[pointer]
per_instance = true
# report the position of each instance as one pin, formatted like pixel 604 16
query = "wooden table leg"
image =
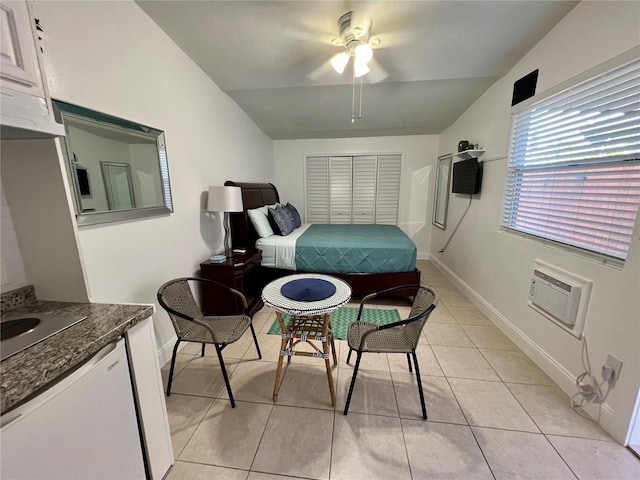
pixel 325 350
pixel 283 346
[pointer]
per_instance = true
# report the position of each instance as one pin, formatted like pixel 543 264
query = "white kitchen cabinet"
pixel 106 419
pixel 83 427
pixel 20 69
pixel 25 109
pixel 149 393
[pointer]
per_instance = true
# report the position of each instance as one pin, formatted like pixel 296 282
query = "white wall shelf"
pixel 469 154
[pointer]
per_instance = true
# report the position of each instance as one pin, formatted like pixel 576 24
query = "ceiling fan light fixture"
pixel 359 68
pixel 363 53
pixel 339 61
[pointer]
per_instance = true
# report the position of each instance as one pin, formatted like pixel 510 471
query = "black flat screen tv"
pixel 467 176
pixel 83 181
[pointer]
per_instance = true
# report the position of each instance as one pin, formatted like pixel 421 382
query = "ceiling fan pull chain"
pixel 353 97
pixel 360 112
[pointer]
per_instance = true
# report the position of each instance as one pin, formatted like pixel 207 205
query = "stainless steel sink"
pixel 20 331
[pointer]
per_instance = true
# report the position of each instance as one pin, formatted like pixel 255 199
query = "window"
pixel 574 164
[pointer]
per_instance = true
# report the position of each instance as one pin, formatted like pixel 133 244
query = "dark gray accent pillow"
pixel 293 213
pixel 282 219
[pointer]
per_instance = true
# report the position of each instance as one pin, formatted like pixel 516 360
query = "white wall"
pixel 110 57
pixel 495 267
pixel 12 272
pixel 37 191
pixel 416 188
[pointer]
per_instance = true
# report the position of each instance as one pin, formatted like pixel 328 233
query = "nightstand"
pixel 241 272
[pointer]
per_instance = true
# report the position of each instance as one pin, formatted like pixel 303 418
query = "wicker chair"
pixel 176 297
pixel 397 337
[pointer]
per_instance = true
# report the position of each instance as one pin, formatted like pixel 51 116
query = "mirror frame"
pixel 442 183
pixel 63 109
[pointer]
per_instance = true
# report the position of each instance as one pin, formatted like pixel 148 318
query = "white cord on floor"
pixel 592 390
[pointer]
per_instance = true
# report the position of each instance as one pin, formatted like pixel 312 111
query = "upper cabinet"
pixel 26 109
pixel 20 69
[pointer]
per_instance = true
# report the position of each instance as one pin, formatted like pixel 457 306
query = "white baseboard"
pixel 164 352
pixel 562 377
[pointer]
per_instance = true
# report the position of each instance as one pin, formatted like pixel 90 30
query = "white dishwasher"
pixel 84 427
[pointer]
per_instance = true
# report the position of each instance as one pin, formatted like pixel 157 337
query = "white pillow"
pixel 265 210
pixel 260 221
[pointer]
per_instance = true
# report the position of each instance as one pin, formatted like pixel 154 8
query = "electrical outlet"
pixel 615 364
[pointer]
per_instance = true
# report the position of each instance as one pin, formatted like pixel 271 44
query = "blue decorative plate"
pixel 308 289
pixel 218 259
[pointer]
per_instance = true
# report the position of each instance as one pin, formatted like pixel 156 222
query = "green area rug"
pixel 342 317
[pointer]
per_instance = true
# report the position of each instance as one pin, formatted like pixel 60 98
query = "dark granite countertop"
pixel 25 373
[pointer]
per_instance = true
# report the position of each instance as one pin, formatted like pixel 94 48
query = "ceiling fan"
pixel 354 36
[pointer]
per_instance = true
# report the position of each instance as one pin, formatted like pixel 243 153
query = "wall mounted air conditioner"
pixel 560 296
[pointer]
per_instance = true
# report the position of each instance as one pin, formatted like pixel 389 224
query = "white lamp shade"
pixel 360 69
pixel 363 53
pixel 224 199
pixel 339 62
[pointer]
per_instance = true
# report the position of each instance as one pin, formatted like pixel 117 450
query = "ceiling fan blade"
pixel 377 73
pixel 321 71
pixel 389 39
pixel 312 37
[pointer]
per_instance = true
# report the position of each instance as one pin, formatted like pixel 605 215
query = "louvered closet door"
pixel 317 190
pixel 340 189
pixel 388 191
pixel 364 189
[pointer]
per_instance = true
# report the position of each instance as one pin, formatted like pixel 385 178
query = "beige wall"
pixel 110 57
pixel 495 267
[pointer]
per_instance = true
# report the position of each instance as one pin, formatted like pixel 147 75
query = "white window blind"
pixel 353 189
pixel 364 188
pixel 317 190
pixel 340 189
pixel 388 197
pixel 574 164
pixel 164 174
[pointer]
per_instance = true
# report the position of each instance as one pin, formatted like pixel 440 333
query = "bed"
pixel 313 248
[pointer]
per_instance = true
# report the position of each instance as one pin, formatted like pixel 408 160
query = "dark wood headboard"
pixel 254 195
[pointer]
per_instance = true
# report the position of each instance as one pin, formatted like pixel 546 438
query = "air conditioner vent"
pixel 560 296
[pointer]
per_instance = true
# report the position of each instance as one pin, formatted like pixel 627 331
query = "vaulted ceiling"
pixel 271 58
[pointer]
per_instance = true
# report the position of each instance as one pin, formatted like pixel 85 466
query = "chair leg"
pixel 255 340
pixel 349 355
pixel 353 382
pixel 224 375
pixel 415 361
pixel 409 362
pixel 173 364
pixel 202 353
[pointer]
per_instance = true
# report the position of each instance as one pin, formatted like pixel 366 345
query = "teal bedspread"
pixel 355 249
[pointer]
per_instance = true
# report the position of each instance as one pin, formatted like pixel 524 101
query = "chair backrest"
pixel 423 304
pixel 176 297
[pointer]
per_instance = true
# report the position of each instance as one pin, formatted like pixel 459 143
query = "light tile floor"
pixel 492 412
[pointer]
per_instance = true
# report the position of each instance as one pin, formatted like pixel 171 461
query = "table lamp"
pixel 225 199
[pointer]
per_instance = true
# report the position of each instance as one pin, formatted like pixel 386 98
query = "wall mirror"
pixel 118 169
pixel 443 179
